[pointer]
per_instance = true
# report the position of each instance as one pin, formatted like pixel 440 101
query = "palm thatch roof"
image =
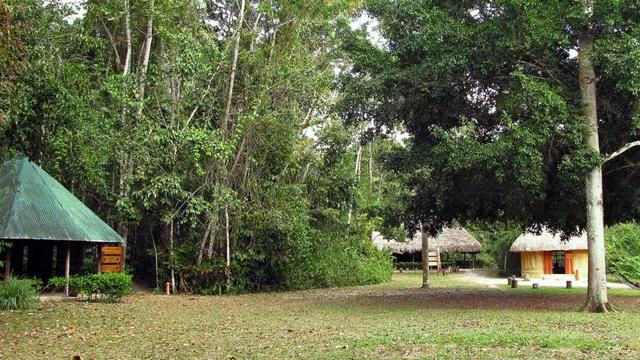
pixel 450 240
pixel 548 241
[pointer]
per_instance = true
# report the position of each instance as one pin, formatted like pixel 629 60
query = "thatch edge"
pixel 548 241
pixel 448 241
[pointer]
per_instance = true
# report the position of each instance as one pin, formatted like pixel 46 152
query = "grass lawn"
pixel 454 319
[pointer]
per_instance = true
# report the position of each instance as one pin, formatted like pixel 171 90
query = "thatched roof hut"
pixel 548 241
pixel 546 254
pixel 450 240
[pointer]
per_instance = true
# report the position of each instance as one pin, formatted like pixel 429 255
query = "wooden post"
pixel 67 265
pixel 7 264
pixel 99 258
pixel 577 273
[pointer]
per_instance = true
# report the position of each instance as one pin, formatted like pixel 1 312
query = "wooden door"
pixel 548 262
pixel 568 263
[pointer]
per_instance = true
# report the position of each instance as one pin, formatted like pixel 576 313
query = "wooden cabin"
pixel 451 243
pixel 47 229
pixel 547 254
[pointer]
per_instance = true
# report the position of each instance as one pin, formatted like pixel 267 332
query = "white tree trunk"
pixel 226 236
pixel 357 173
pixel 234 67
pixel 597 300
pixel 370 163
pixel 145 60
pixel 173 259
pixel 127 21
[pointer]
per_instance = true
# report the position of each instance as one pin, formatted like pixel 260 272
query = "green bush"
pixel 106 287
pixel 18 294
pixel 496 239
pixel 623 249
pixel 409 265
pixel 338 260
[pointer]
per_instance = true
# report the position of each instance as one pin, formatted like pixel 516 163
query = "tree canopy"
pixel 488 91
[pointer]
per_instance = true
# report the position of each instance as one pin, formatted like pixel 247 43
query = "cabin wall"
pixel 581 262
pixel 532 264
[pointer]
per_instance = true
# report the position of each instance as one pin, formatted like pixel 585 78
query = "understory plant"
pixel 103 287
pixel 623 249
pixel 18 294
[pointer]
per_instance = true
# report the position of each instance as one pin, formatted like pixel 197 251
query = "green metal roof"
pixel 34 206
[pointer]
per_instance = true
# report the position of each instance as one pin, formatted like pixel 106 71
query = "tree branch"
pixel 114 46
pixel 622 150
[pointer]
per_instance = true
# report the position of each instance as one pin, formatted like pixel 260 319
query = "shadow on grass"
pixel 468 299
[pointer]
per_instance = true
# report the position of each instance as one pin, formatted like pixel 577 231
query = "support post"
pixel 99 257
pixel 7 264
pixel 67 265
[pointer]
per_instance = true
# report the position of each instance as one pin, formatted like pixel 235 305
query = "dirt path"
pixel 490 279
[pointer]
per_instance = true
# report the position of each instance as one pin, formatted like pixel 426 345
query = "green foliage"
pixel 623 249
pixel 18 294
pixel 164 151
pixel 415 265
pixel 488 92
pixel 496 239
pixel 103 287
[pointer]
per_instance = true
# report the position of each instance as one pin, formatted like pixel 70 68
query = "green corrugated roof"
pixel 33 205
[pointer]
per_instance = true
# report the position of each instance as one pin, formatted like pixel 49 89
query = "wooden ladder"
pixel 434 260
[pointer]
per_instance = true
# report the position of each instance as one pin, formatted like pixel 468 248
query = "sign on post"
pixel 111 259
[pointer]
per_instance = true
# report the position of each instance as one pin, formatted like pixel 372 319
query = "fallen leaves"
pixel 388 321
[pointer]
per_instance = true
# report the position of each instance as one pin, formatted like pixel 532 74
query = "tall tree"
pixel 502 114
pixel 597 293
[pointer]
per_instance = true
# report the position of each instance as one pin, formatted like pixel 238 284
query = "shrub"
pixel 18 294
pixel 107 287
pixel 623 249
pixel 409 265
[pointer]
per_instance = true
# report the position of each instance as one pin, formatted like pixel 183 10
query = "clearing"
pixel 454 319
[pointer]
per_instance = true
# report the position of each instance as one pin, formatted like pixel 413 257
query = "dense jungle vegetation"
pixel 253 145
pixel 203 131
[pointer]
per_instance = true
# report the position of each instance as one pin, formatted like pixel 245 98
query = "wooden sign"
pixel 111 259
pixel 434 259
pixel 112 250
pixel 111 268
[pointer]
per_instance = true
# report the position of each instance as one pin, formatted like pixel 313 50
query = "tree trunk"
pixel 214 216
pixel 172 258
pixel 370 164
pixel 228 254
pixel 123 227
pixel 145 60
pixel 357 174
pixel 425 258
pixel 203 243
pixel 597 285
pixel 234 67
pixel 127 22
pixel 155 254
